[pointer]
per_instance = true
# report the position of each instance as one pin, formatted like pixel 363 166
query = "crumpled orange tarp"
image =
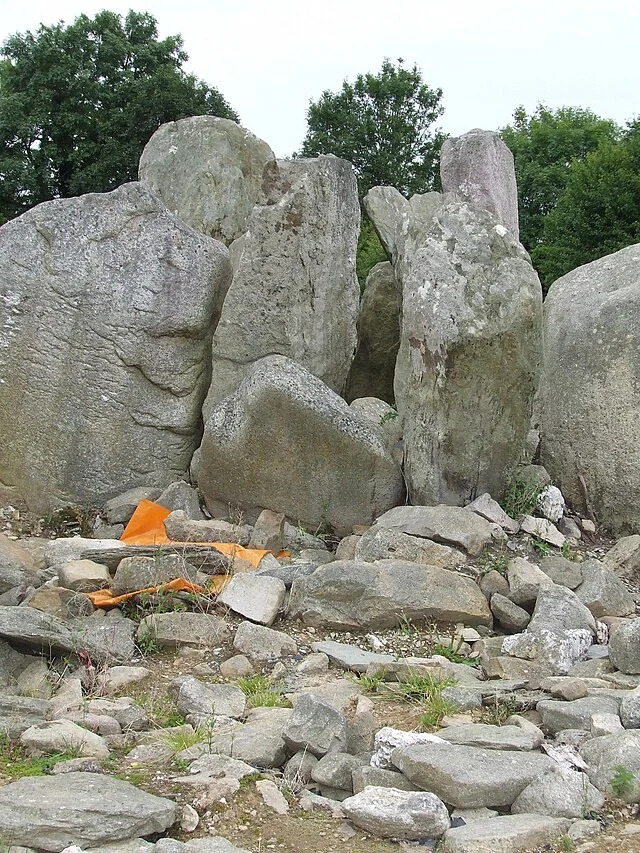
pixel 105 598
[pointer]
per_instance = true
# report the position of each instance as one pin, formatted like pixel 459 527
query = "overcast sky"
pixel 270 57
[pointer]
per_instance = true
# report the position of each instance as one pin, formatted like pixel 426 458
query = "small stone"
pixel 237 666
pixel 189 819
pixel 272 797
pixel 543 529
pixel 587 525
pixel 258 598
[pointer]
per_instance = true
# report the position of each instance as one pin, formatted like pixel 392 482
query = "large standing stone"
pixel 479 167
pixel 88 809
pixel 603 592
pixel 208 171
pixel 470 344
pixel 624 647
pixel 374 364
pixel 107 306
pixel 350 594
pixel 284 441
pixel 590 388
pixel 294 289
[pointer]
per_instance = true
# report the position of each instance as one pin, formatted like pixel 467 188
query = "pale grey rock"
pixel 100 724
pixel 511 617
pixel 559 609
pixel 135 573
pixel 174 629
pixel 373 366
pixel 525 581
pixel 550 503
pixel 181 496
pixel 272 797
pixel 351 657
pixel 553 652
pixel 55 736
pixel 258 598
pixel 589 394
pixel 479 167
pixel 387 739
pixel 113 275
pixel 48 812
pixel 581 830
pixel 569 528
pixel 491 737
pixel 559 792
pixel 208 171
pixel 624 557
pixel 262 644
pixel 316 726
pixel 203 771
pixel 485 506
pixel 391 813
pixel 624 647
pixel 606 724
pixel 257 742
pixel 382 543
pixel 505 834
pixel 34 681
pixel 493 582
pixel 469 777
pixel 268 531
pixel 197 700
pixel 346 549
pixel 365 776
pixel 62 550
pixel 119 509
pixel 297 539
pixel 297 771
pixel 56 601
pixel 630 710
pixel 445 524
pixel 237 666
pixel 604 755
pixel 567 688
pixel 603 592
pixel 294 289
pixel 83 575
pixel 346 595
pixel 557 715
pixel 17 566
pixel 18 713
pixel 335 770
pixel 288 572
pixel 562 571
pixel 107 641
pixel 181 528
pixel 471 317
pixel 282 429
pixel 543 529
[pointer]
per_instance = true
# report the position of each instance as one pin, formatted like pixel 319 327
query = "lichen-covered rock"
pixel 107 305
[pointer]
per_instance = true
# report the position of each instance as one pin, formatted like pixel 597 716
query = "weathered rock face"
pixel 374 364
pixel 470 344
pixel 479 167
pixel 294 289
pixel 590 388
pixel 286 442
pixel 107 306
pixel 208 171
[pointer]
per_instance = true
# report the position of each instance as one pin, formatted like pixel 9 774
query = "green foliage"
pixel 427 691
pixel 568 552
pixel 497 561
pixel 622 782
pixel 540 546
pixel 147 643
pixel 261 693
pixel 370 251
pixel 69 521
pixel 15 763
pixel 498 712
pixel 370 683
pixel 521 496
pixel 79 103
pixel 389 415
pixel 383 124
pixel 566 843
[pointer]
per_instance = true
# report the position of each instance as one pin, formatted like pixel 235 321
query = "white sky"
pixel 270 57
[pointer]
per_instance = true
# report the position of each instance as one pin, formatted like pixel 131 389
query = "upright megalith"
pixel 294 289
pixel 590 389
pixel 285 441
pixel 479 167
pixel 470 342
pixel 208 171
pixel 107 306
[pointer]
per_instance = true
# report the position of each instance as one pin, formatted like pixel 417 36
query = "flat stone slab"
pixel 505 834
pixel 450 525
pixel 256 597
pixel 492 737
pixel 352 658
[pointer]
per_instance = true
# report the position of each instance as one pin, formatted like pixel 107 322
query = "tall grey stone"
pixel 208 171
pixel 590 388
pixel 107 306
pixel 284 441
pixel 470 343
pixel 479 167
pixel 294 289
pixel 374 364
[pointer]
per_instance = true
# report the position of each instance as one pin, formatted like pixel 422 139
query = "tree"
pixel 383 124
pixel 79 103
pixel 544 145
pixel 599 211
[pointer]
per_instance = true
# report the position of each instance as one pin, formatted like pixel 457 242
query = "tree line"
pixel 78 103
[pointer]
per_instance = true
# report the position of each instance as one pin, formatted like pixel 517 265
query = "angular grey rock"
pixel 388 739
pixel 559 609
pixel 351 657
pixel 208 171
pixel 385 543
pixel 367 775
pixel 198 700
pixel 17 566
pixel 113 275
pixel 181 528
pixel 262 644
pixel 49 812
pixel 468 777
pixel 384 418
pixel 391 813
pixel 134 573
pixel 446 524
pixel 299 767
pixel 584 384
pixel 624 647
pixel 288 572
pixel 603 592
pixel 258 598
pixel 557 715
pixel 316 726
pixel 118 510
pixel 630 710
pixel 562 571
pixel 257 742
pixel 48 738
pixel 492 737
pixel 505 834
pixel 84 575
pixel 624 557
pixel 348 595
pixel 18 713
pixel 294 289
pixel 485 506
pixel 73 547
pixel 374 363
pixel 284 429
pixel 181 496
pixel 553 652
pixel 604 757
pixel 268 532
pixel 107 641
pixel 471 317
pixel 543 529
pixel 335 770
pixel 525 581
pixel 511 617
pixel 559 792
pixel 174 629
pixel 479 167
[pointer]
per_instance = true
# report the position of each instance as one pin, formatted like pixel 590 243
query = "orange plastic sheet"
pixel 146 527
pixel 105 598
